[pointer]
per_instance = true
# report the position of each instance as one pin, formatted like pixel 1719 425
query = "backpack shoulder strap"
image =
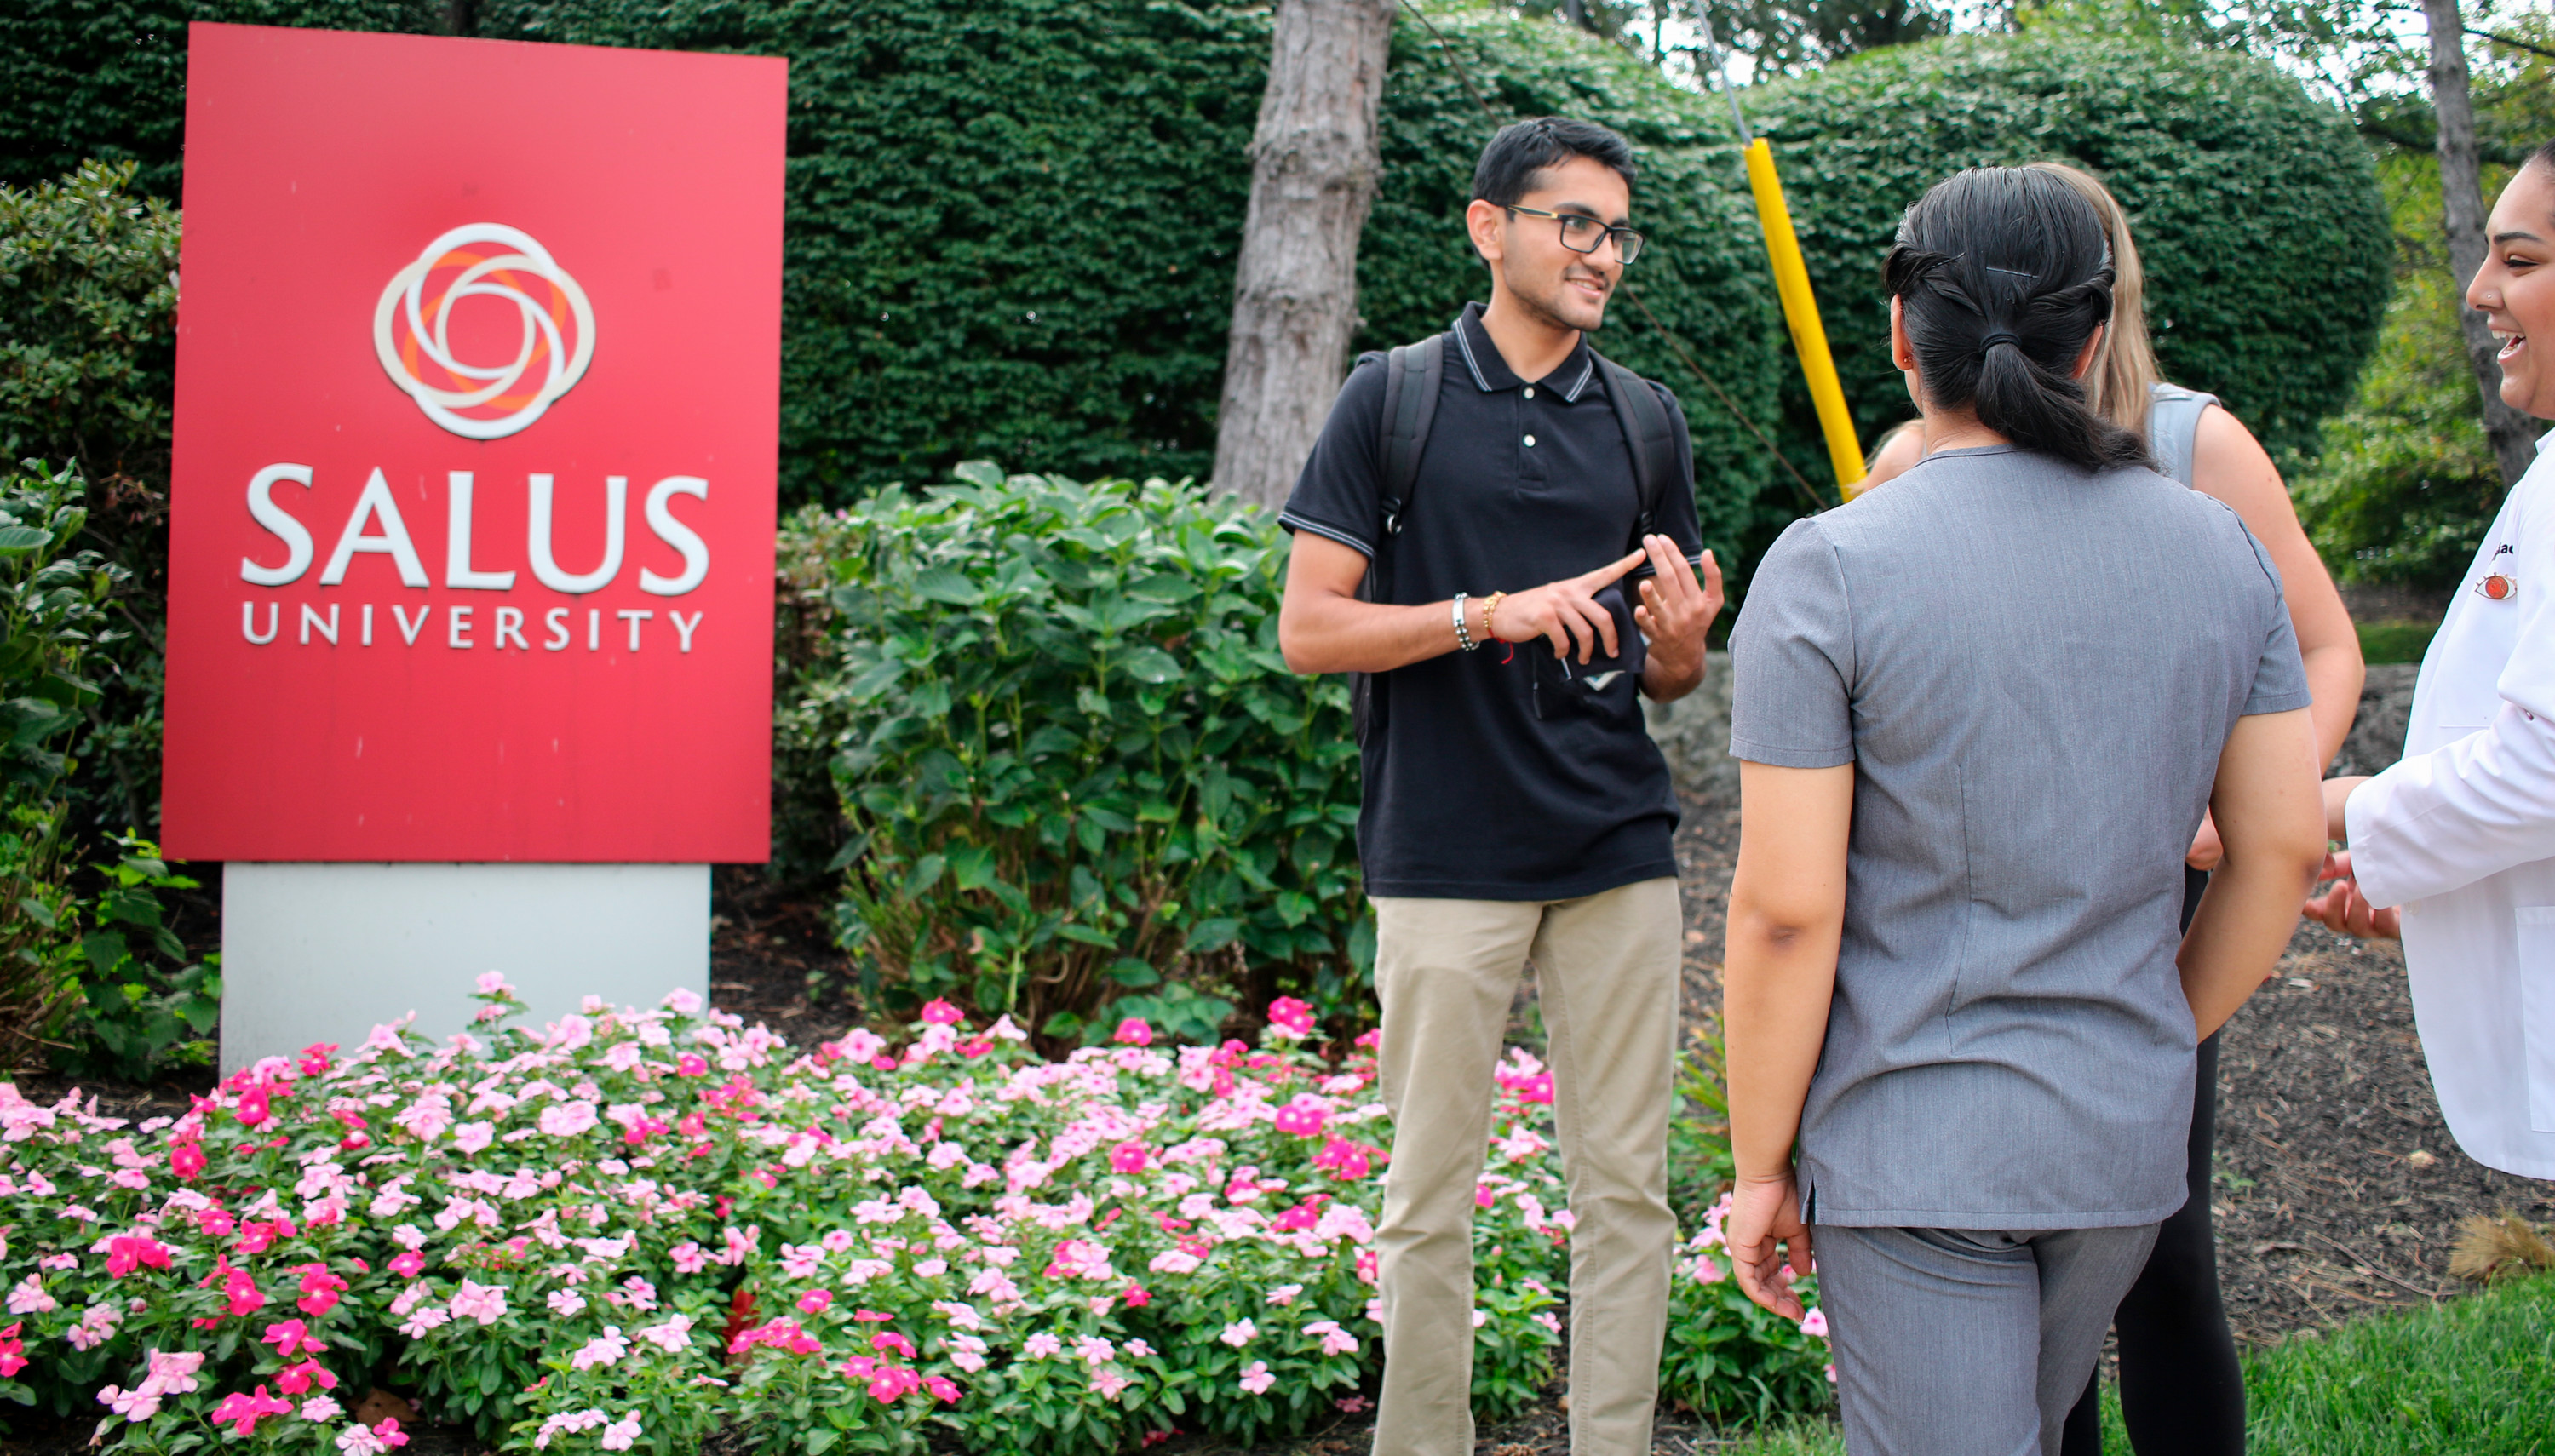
pixel 1647 434
pixel 1413 374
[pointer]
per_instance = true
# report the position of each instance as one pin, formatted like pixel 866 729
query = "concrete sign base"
pixel 325 952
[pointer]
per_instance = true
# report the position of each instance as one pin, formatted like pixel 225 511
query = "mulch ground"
pixel 2339 1189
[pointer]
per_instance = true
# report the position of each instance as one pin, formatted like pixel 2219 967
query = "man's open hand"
pixel 1676 611
pixel 1565 612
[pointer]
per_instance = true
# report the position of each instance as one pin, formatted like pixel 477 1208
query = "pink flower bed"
pixel 631 1228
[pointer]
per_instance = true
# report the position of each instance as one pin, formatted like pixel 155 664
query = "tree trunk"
pixel 1313 167
pixel 2462 216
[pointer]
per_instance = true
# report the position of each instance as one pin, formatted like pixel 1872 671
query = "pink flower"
pixel 892 1383
pixel 493 983
pixel 485 1303
pixel 292 1380
pixel 815 1301
pixel 13 1350
pixel 174 1372
pixel 135 1405
pixel 1335 1341
pixel 409 1265
pixel 673 1336
pixel 1134 1032
pixel 622 1434
pixel 125 1252
pixel 604 1349
pixel 1348 1161
pixel 943 1389
pixel 567 1118
pixel 1135 1296
pixel 1238 1333
pixel 1126 1158
pixel 890 1340
pixel 292 1337
pixel 1815 1323
pixel 690 1064
pixel 187 1158
pixel 253 1110
pixel 941 1013
pixel 314 1059
pixel 245 1411
pixel 1255 1378
pixel 1289 1017
pixel 690 1257
pixel 319 1409
pixel 1042 1345
pixel 319 1289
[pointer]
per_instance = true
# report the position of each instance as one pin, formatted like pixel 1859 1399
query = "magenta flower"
pixel 815 1301
pixel 892 1383
pixel 292 1337
pixel 13 1350
pixel 1291 1016
pixel 1134 1032
pixel 408 1266
pixel 690 1064
pixel 942 1387
pixel 245 1411
pixel 319 1289
pixel 940 1013
pixel 187 1158
pixel 1126 1158
pixel 253 1108
pixel 125 1252
pixel 890 1340
pixel 1299 1120
pixel 292 1380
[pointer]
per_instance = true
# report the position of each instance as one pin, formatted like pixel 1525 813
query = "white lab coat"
pixel 2461 833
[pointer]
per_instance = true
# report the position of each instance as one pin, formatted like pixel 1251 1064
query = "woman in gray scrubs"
pixel 1980 716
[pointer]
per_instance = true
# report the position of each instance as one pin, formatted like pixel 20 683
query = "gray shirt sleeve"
pixel 2281 680
pixel 1791 657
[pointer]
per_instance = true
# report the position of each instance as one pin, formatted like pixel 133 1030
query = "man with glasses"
pixel 1514 805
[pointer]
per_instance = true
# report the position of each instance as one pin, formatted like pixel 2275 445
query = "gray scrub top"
pixel 2033 669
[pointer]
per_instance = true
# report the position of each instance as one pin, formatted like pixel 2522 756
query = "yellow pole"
pixel 1801 312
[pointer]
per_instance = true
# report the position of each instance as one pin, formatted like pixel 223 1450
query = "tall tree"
pixel 2461 217
pixel 1314 161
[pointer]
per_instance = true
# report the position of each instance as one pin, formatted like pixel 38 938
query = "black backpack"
pixel 1413 376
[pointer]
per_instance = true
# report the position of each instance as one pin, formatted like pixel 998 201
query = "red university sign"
pixel 478 380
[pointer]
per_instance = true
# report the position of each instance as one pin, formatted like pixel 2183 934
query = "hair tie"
pixel 1996 336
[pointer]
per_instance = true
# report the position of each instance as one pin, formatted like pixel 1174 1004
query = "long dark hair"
pixel 2002 274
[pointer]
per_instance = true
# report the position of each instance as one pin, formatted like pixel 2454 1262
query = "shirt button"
pixel 1529 392
pixel 1530 441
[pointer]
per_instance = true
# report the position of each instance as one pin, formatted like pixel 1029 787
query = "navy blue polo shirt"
pixel 1505 773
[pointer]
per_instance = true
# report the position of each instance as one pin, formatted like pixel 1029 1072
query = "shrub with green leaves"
pixel 1071 761
pixel 2255 208
pixel 88 303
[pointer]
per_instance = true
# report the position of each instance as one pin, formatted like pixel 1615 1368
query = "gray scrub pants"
pixel 1968 1342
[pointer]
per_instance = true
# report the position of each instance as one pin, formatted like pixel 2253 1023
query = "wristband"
pixel 1463 632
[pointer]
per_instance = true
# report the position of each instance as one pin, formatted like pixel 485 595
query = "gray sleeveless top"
pixel 2173 426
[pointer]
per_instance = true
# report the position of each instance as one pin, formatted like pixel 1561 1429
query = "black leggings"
pixel 2182 1392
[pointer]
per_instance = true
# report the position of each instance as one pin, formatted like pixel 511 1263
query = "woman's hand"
pixel 1769 1246
pixel 1564 610
pixel 2206 849
pixel 2346 911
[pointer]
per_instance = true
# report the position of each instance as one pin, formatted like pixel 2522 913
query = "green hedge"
pixel 2256 210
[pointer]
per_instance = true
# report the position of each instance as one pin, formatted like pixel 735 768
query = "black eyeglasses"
pixel 1586 234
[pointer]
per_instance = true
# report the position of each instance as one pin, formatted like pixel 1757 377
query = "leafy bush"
pixel 53 620
pixel 88 299
pixel 1070 759
pixel 633 1228
pixel 106 79
pixel 2255 208
pixel 99 1005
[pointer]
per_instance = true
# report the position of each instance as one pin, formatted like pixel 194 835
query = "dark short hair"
pixel 1523 148
pixel 2544 157
pixel 2002 274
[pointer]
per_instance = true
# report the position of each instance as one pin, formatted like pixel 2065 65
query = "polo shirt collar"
pixel 1492 373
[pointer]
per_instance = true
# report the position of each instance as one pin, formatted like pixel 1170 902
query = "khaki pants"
pixel 1446 971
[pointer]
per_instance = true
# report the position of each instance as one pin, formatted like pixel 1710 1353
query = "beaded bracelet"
pixel 1490 608
pixel 1463 633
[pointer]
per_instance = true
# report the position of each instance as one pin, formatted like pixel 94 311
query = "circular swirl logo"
pixel 412 328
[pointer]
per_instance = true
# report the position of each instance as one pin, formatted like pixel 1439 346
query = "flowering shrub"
pixel 632 1228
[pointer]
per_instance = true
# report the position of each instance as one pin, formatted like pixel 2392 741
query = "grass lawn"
pixel 2396 642
pixel 2474 1376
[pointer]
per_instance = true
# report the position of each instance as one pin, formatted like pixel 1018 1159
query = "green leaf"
pixel 1150 664
pixel 1134 974
pixel 947 584
pixel 16 540
pixel 926 874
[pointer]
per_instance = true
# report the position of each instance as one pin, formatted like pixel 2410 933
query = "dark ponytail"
pixel 2002 275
